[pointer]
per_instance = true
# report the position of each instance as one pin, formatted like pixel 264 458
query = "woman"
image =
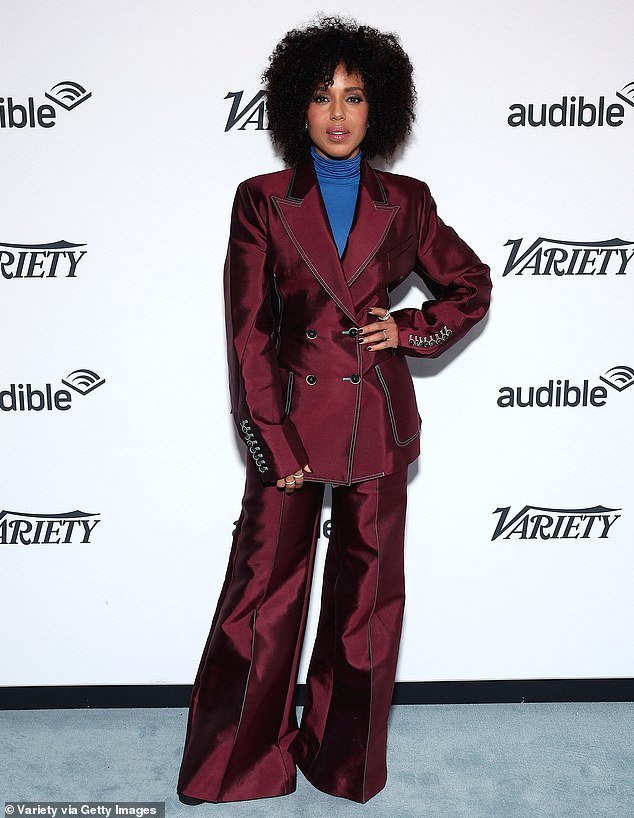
pixel 321 393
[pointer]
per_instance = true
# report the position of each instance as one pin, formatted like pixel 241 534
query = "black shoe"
pixel 187 799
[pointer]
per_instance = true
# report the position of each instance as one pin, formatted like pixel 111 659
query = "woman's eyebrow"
pixel 350 88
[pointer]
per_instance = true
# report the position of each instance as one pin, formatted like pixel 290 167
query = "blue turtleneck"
pixel 339 184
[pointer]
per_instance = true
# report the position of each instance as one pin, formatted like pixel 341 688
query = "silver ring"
pixel 384 317
pixel 289 482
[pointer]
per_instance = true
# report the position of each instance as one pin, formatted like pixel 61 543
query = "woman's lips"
pixel 337 136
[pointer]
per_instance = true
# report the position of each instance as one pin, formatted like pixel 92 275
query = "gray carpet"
pixel 444 761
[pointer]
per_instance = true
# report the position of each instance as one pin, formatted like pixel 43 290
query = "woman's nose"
pixel 336 110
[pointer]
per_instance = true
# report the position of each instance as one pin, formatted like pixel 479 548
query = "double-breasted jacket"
pixel 302 389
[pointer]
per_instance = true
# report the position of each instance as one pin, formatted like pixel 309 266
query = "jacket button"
pixel 311 333
pixel 355 378
pixel 353 331
pixel 311 379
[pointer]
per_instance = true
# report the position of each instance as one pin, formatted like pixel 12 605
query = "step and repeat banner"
pixel 125 129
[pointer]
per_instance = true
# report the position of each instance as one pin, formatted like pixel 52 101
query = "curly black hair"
pixel 306 58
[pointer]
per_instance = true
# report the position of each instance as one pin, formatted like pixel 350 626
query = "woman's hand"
pixel 293 481
pixel 380 334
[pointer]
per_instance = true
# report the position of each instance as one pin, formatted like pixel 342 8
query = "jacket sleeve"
pixel 458 280
pixel 255 387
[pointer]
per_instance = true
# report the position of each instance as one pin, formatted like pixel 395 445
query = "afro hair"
pixel 306 58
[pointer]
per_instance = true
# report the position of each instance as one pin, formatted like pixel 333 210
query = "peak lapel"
pixel 305 219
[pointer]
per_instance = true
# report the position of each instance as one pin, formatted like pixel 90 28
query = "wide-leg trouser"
pixel 242 739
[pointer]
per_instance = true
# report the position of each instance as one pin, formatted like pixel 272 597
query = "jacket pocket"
pixel 395 251
pixel 287 378
pixel 400 398
pixel 401 258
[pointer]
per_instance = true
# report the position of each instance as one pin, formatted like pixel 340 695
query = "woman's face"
pixel 337 116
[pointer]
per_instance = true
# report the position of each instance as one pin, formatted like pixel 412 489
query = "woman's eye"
pixel 321 96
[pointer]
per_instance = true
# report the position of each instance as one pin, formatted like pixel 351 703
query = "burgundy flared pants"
pixel 242 740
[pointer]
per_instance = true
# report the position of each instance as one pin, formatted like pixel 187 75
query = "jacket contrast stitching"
pixel 357 409
pixel 341 482
pixel 372 253
pixel 391 411
pixel 244 424
pixel 300 250
pixel 289 391
pixel 380 183
pixel 280 301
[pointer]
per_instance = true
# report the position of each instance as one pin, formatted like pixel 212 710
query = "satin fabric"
pixel 243 740
pixel 302 389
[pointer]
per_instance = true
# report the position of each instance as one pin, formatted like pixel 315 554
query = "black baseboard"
pixel 470 692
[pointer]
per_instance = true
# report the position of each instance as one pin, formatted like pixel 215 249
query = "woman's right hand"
pixel 293 481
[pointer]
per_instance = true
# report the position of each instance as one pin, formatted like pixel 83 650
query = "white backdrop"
pixel 141 175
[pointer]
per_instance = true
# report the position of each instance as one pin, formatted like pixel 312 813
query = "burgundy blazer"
pixel 302 389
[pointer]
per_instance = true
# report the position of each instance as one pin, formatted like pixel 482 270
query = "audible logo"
pixel 563 393
pixel 572 111
pixel 66 95
pixel 26 398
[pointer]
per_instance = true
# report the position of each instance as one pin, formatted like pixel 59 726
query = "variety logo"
pixel 563 393
pixel 17 528
pixel 66 95
pixel 26 398
pixel 572 111
pixel 252 113
pixel 537 523
pixel 55 260
pixel 550 257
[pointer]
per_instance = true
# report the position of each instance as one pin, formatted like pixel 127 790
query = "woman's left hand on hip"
pixel 380 334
